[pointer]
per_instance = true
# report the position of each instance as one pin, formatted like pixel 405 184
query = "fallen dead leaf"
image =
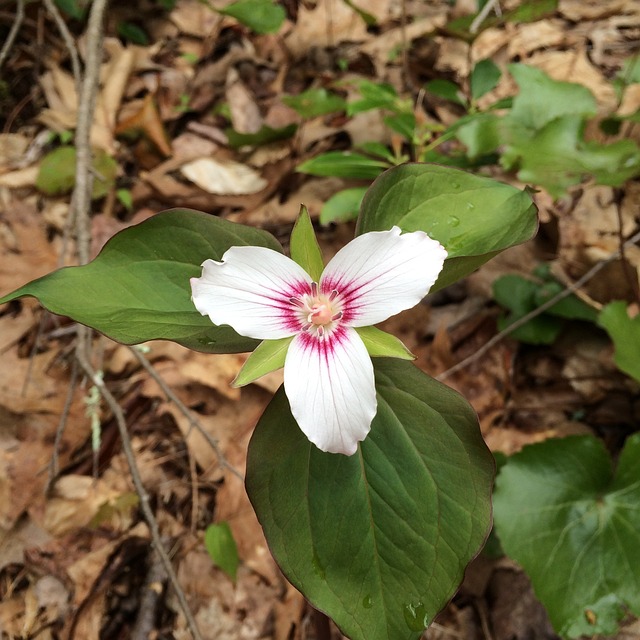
pixel 224 178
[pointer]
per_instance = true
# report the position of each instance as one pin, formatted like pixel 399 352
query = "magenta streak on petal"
pixel 281 302
pixel 324 345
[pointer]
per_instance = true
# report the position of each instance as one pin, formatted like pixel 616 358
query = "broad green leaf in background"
pixel 484 77
pixel 557 157
pixel 542 99
pixel 378 540
pixel 481 134
pixel 221 547
pixel 261 16
pixel 315 102
pixel 343 206
pixel 137 289
pixel 57 173
pixel 522 295
pixel 625 333
pixel 473 217
pixel 573 523
pixel 344 164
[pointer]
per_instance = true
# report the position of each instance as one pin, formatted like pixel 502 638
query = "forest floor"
pixel 75 558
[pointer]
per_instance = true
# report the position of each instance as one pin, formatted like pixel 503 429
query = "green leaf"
pixel 557 157
pixel 532 11
pixel 57 173
pixel 382 344
pixel 261 16
pixel 343 206
pixel 481 134
pixel 368 18
pixel 137 289
pixel 265 135
pixel 484 77
pixel 473 217
pixel 221 547
pixel 378 540
pixel 447 90
pixel 133 33
pixel 75 8
pixel 268 356
pixel 542 99
pixel 344 164
pixel 375 95
pixel 402 123
pixel 518 295
pixel 573 524
pixel 304 246
pixel 521 296
pixel 625 333
pixel 315 102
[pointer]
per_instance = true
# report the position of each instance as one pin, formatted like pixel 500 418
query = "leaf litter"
pixel 74 554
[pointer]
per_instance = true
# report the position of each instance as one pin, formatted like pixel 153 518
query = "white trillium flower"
pixel 328 374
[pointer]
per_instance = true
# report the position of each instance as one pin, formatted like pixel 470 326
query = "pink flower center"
pixel 317 312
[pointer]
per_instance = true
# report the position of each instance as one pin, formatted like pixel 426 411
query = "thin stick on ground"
pixel 186 412
pixel 156 538
pixel 578 284
pixel 13 34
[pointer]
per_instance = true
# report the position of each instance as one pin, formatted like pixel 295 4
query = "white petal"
pixel 250 290
pixel 381 273
pixel 330 386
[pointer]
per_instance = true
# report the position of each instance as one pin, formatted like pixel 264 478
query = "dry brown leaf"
pixel 12 147
pixel 76 500
pixel 245 113
pixel 146 120
pixel 224 178
pixel 195 18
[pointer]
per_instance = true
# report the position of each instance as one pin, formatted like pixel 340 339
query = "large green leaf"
pixel 474 218
pixel 574 526
pixel 378 540
pixel 542 99
pixel 137 289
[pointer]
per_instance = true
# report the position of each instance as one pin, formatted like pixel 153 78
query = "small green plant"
pixel 522 295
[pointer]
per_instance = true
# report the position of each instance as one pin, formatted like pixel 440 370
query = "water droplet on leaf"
pixel 453 221
pixel 415 615
pixel 367 602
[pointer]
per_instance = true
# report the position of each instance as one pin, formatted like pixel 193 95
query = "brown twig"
pixel 13 34
pixel 150 518
pixel 152 591
pixel 68 41
pixel 186 412
pixel 536 312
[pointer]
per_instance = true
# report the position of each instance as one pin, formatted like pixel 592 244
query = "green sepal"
pixel 268 356
pixel 305 249
pixel 382 344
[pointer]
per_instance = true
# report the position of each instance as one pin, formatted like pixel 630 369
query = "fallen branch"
pixel 149 517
